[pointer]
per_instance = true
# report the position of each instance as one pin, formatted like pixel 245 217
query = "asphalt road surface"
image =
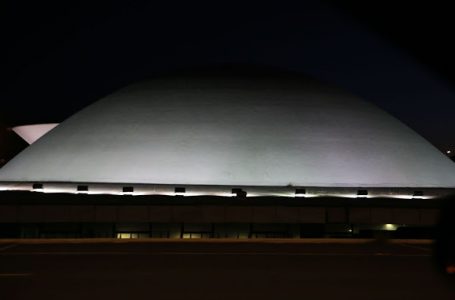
pixel 219 270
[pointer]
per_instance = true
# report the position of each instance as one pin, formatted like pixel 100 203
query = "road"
pixel 275 269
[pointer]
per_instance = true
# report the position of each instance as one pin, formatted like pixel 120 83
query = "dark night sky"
pixel 62 57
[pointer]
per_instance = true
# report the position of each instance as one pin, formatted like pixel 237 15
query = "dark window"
pixel 128 189
pixel 37 186
pixel 82 188
pixel 239 192
pixel 362 193
pixel 300 191
pixel 179 190
pixel 418 193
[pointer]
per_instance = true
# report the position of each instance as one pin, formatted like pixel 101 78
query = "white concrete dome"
pixel 267 131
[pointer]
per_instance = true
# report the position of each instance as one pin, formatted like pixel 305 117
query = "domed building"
pixel 276 149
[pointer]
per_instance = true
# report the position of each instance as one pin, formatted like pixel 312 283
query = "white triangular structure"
pixel 31 133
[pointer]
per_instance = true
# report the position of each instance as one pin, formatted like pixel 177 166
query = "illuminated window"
pixel 127 235
pixel 194 235
pixel 389 227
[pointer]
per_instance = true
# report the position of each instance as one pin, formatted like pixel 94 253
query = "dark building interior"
pixel 39 215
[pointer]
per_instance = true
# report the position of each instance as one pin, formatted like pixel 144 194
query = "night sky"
pixel 61 57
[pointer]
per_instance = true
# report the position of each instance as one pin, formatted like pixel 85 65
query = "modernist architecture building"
pixel 225 155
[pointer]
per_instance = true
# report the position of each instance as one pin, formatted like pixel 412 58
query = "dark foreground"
pixel 220 270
